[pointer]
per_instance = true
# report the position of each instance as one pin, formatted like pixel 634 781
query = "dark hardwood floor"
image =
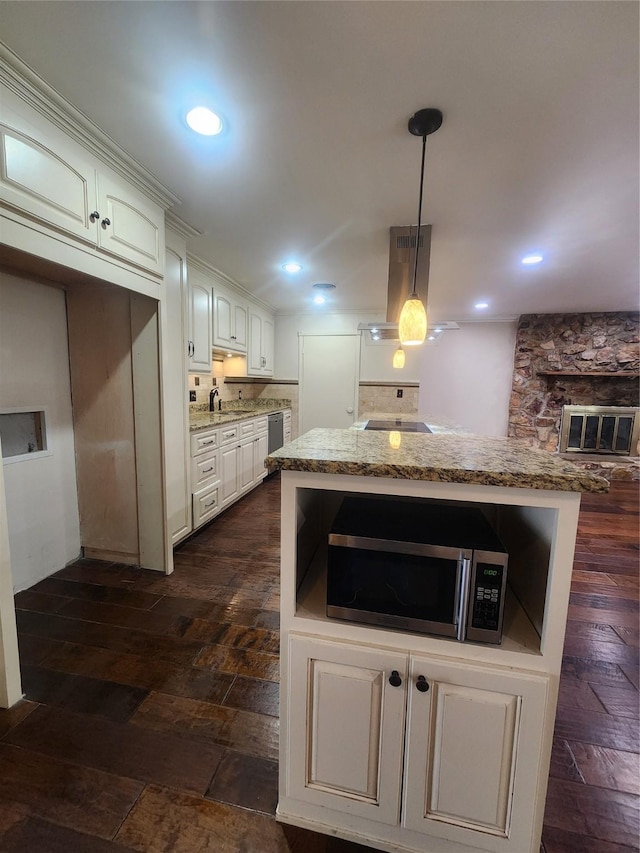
pixel 150 719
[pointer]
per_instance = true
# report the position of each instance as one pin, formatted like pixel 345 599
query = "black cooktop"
pixel 400 426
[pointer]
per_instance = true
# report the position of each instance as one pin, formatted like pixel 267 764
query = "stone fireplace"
pixel 572 360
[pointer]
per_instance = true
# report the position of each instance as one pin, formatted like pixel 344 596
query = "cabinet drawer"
pixel 205 505
pixel 286 435
pixel 205 469
pixel 229 434
pixel 286 416
pixel 201 442
pixel 261 425
pixel 247 428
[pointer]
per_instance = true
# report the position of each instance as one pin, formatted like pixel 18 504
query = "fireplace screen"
pixel 600 429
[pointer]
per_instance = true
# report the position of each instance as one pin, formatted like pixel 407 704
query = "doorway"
pixel 329 373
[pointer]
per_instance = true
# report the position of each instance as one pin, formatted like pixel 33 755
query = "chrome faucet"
pixel 212 399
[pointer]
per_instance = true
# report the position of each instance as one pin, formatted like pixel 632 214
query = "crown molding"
pixel 208 269
pixel 180 226
pixel 21 79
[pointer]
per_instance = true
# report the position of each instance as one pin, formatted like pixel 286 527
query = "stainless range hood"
pixel 402 247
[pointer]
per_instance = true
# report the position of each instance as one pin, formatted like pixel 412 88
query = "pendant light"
pixel 398 357
pixel 412 325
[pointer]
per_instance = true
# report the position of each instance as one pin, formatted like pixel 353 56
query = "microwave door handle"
pixel 463 599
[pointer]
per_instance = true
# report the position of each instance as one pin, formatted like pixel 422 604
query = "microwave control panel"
pixel 486 602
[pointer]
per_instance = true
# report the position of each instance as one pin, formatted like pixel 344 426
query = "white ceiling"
pixel 538 149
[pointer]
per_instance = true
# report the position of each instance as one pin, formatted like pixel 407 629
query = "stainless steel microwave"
pixel 433 568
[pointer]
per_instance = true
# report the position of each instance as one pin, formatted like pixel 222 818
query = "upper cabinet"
pixel 62 190
pixel 199 343
pixel 68 193
pixel 261 341
pixel 229 320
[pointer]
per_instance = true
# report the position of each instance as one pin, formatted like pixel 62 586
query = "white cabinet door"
pixel 199 324
pixel 229 464
pixel 261 343
pixel 268 338
pixel 229 320
pixel 254 363
pixel 222 319
pixel 246 465
pixel 345 728
pixel 56 187
pixel 261 451
pixel 240 324
pixel 131 226
pixel 176 415
pixel 474 740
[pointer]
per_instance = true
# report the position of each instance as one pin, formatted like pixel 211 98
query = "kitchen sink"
pixel 237 412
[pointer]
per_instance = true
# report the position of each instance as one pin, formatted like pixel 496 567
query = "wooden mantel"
pixel 592 374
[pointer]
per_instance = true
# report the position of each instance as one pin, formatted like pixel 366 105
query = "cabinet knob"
pixel 106 221
pixel 94 216
pixel 394 679
pixel 422 684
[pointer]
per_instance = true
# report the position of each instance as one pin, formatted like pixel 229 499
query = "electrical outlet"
pixel 399 393
pixel 192 396
pixel 196 380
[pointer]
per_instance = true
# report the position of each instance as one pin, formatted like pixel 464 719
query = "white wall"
pixel 466 378
pixel 375 360
pixel 42 504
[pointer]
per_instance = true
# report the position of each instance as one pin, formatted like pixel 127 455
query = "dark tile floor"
pixel 150 722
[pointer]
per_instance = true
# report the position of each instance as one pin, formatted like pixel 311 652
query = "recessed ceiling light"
pixel 529 260
pixel 204 121
pixel 292 266
pixel 431 338
pixel 319 299
pixel 481 305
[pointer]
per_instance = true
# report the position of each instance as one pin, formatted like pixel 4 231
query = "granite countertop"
pixel 445 457
pixel 232 412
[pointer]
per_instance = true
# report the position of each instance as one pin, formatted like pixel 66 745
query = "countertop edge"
pixel 590 483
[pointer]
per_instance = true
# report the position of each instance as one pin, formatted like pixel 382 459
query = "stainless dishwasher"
pixel 275 431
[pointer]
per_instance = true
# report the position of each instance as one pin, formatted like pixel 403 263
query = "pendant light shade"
pixel 398 357
pixel 412 325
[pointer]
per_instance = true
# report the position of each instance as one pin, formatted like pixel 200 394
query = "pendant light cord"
pixel 415 266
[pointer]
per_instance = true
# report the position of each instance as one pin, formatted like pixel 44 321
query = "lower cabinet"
pixel 429 746
pixel 244 447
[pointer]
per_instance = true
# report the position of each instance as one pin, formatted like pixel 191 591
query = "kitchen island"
pixel 401 740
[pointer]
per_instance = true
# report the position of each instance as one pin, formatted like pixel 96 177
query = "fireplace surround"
pixel 607 430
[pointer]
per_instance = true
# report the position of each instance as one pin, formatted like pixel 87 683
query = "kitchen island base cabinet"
pixel 441 756
pixel 468 725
